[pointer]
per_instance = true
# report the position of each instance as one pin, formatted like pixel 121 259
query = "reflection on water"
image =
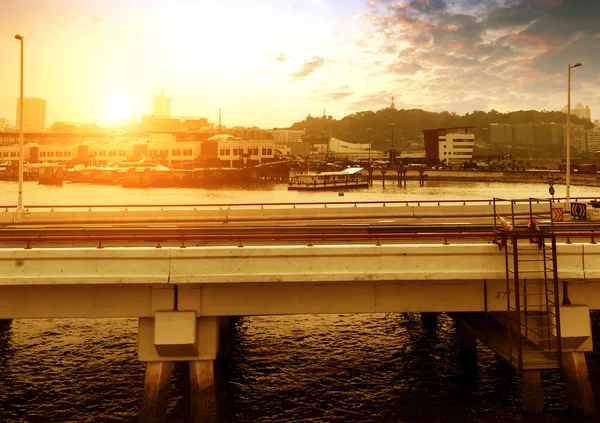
pixel 307 368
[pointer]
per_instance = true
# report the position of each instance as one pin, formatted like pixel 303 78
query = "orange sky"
pixel 271 63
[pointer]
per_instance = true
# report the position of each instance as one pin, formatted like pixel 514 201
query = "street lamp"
pixel 19 213
pixel 369 131
pixel 568 178
pixel 393 155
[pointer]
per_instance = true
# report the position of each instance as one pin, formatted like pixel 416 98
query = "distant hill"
pixel 410 122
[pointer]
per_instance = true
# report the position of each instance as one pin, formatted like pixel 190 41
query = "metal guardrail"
pixel 444 237
pixel 221 206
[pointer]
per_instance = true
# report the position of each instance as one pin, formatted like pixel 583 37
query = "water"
pixel 263 192
pixel 307 368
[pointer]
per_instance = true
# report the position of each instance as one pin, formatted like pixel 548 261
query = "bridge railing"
pixel 99 241
pixel 273 205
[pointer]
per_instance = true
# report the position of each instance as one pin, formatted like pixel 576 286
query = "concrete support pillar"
pixel 532 392
pixel 429 320
pixel 467 342
pixel 225 328
pixel 156 392
pixel 577 383
pixel 203 396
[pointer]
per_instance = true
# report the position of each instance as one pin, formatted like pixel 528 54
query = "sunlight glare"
pixel 118 106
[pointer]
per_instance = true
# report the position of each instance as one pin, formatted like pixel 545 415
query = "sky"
pixel 270 63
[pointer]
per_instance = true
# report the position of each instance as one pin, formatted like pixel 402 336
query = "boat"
pixel 50 173
pixel 352 177
pixel 142 173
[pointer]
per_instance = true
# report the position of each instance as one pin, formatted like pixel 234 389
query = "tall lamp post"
pixel 19 213
pixel 393 152
pixel 369 131
pixel 568 170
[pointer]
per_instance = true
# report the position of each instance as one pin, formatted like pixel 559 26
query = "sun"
pixel 118 106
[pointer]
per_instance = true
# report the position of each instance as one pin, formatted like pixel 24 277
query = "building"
pixel 577 136
pixel 548 134
pixel 501 136
pixel 236 152
pixel 345 149
pixel 581 111
pixel 152 123
pixel 253 133
pixel 449 145
pixel 161 105
pixel 34 114
pixel 284 136
pixel 593 140
pixel 523 136
pixel 4 124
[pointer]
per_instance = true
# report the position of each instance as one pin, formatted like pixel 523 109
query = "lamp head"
pixel 19 37
pixel 576 65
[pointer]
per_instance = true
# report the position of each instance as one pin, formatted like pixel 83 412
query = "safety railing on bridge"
pixel 274 205
pixel 183 240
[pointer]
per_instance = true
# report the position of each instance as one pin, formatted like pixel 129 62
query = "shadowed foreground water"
pixel 307 368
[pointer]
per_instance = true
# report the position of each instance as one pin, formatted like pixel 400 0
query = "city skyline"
pixel 271 64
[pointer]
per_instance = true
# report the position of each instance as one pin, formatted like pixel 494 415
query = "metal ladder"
pixel 532 297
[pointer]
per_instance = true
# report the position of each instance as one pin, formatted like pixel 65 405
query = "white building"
pixel 175 153
pixel 341 148
pixel 234 151
pixel 456 148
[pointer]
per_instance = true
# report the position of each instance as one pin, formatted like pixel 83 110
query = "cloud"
pixel 281 58
pixel 339 95
pixel 404 68
pixel 309 67
pixel 484 53
pixel 375 101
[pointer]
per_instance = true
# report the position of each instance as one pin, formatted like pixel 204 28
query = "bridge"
pixel 523 285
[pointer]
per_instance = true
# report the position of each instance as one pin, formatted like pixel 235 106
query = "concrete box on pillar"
pixel 175 333
pixel 178 336
pixel 575 328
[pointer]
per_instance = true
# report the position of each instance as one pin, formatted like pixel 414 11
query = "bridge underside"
pixel 226 280
pixel 235 299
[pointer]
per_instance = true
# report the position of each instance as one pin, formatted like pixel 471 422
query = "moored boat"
pixel 352 177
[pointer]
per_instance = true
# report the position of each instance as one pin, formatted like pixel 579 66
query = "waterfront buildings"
pixel 34 114
pixel 219 151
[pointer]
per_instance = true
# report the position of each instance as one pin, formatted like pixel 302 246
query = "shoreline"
pixel 592 180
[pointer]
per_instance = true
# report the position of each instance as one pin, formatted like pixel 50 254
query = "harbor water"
pixel 305 368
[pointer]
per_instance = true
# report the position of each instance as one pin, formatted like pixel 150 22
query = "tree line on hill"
pixel 408 124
